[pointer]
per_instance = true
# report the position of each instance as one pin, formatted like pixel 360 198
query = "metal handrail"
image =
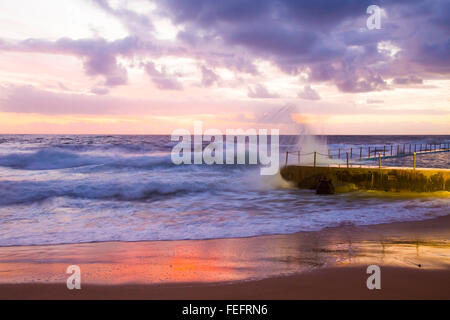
pixel 400 153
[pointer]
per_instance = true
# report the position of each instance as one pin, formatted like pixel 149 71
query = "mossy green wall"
pixel 384 179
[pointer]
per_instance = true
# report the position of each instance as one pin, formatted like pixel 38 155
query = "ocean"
pixel 57 189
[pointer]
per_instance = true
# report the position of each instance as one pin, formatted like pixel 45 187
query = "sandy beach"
pixel 414 258
pixel 327 283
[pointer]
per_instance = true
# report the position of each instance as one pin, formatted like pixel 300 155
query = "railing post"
pixel 298 156
pixel 351 153
pixel 329 154
pixel 314 159
pixel 414 161
pixel 398 149
pixel 347 160
pixel 287 153
pixel 360 152
pixel 384 151
pixel 339 153
pixel 368 156
pixel 391 148
pixel 409 148
pixel 379 160
pixel 415 147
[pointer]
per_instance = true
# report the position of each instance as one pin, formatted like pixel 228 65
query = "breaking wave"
pixel 49 159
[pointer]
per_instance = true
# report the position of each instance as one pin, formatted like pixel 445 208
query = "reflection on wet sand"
pixel 402 244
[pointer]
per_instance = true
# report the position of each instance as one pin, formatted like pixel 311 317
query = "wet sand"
pixel 327 283
pixel 330 264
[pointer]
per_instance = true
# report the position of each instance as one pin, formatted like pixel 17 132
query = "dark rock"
pixel 325 186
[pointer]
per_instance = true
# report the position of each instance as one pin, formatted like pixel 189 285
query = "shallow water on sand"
pixel 415 245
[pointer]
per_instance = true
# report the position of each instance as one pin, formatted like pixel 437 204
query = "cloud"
pixel 63 87
pixel 258 91
pixel 100 90
pixel 408 80
pixel 99 56
pixel 372 82
pixel 308 93
pixel 326 39
pixel 374 101
pixel 31 100
pixel 208 77
pixel 136 23
pixel 28 99
pixel 162 79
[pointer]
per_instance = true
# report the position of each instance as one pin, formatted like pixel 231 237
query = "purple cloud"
pixel 99 56
pixel 258 91
pixel 308 93
pixel 162 79
pixel 209 77
pixel 327 39
pixel 100 90
pixel 136 23
pixel 408 80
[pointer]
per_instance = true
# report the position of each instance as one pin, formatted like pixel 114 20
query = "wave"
pixel 15 192
pixel 50 159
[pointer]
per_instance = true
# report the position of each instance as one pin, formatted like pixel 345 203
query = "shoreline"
pixel 327 264
pixel 368 194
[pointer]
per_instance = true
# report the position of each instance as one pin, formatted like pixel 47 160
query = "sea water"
pixel 78 188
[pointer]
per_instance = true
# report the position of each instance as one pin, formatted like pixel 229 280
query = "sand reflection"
pixel 229 259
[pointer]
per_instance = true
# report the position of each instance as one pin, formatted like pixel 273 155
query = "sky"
pixel 150 67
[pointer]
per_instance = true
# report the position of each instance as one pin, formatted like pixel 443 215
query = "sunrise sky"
pixel 148 67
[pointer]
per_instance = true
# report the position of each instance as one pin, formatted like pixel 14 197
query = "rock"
pixel 325 186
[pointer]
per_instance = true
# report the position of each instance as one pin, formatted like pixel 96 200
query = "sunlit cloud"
pixel 130 60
